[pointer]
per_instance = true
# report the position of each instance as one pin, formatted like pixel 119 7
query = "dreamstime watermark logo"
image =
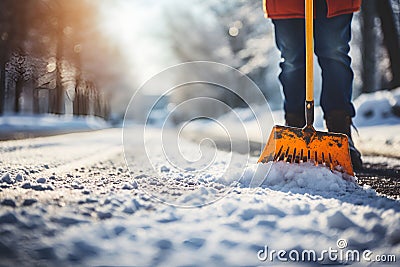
pixel 340 254
pixel 184 149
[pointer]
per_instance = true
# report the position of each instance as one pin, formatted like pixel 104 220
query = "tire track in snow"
pixel 60 154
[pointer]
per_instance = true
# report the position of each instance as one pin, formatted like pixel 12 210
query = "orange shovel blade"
pixel 295 145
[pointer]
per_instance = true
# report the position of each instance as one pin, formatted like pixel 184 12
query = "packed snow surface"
pixel 17 126
pixel 83 207
pixel 71 199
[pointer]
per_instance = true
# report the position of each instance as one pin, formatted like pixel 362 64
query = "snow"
pixel 71 200
pixel 232 230
pixel 377 108
pixel 12 126
pixel 379 123
pixel 295 177
pixel 110 217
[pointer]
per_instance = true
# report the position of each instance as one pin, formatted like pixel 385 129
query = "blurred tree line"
pixel 54 59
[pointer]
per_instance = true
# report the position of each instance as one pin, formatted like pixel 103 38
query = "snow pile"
pixel 108 217
pixel 211 174
pixel 303 178
pixel 297 207
pixel 379 108
pixel 12 125
pixel 378 122
pixel 297 178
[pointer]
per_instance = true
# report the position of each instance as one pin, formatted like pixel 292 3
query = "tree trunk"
pixel 2 74
pixel 370 81
pixel 395 5
pixel 19 85
pixel 5 39
pixel 76 104
pixel 58 95
pixel 35 101
pixel 390 39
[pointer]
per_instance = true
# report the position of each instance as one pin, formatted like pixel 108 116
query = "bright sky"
pixel 137 26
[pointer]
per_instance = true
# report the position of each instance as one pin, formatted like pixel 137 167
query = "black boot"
pixel 340 122
pixel 295 120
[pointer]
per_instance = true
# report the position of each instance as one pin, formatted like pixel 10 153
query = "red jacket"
pixel 288 9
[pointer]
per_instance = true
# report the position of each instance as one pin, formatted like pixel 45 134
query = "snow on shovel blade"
pixel 295 145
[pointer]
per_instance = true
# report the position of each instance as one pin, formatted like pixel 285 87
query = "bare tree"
pixel 391 39
pixel 369 47
pixel 380 28
pixel 49 45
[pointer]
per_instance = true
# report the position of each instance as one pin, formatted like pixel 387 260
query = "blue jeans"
pixel 331 45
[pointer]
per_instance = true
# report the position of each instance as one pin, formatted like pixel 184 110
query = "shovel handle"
pixel 309 21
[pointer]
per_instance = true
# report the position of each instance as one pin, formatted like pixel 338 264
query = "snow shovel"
pixel 295 145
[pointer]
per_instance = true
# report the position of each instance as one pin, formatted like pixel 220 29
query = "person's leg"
pixel 289 37
pixel 332 37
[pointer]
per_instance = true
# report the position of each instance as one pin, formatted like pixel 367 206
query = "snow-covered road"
pixel 71 200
